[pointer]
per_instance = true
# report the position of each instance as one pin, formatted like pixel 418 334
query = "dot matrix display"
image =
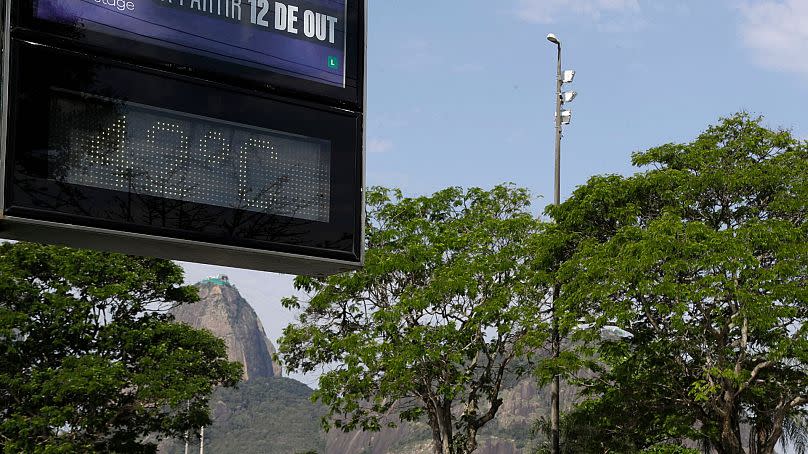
pixel 154 152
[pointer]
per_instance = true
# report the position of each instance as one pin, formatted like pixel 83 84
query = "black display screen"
pixel 103 144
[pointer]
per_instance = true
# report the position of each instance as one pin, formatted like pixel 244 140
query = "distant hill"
pixel 264 415
pixel 274 415
pixel 509 433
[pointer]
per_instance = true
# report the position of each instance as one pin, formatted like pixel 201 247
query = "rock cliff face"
pixel 223 311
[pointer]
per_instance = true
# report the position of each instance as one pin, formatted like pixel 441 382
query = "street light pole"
pixel 561 118
pixel 559 100
pixel 555 410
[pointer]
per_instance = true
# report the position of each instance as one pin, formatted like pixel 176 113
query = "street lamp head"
pixel 566 117
pixel 568 96
pixel 568 76
pixel 613 333
pixel 552 38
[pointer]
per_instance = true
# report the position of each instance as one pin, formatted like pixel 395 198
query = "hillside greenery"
pixel 271 415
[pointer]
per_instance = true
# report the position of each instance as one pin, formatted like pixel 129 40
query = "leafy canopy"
pixel 434 322
pixel 87 365
pixel 704 257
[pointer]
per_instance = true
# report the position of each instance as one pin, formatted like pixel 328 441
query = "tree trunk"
pixel 769 431
pixel 731 429
pixel 731 441
pixel 445 414
pixel 754 436
pixel 440 420
pixel 437 444
pixel 771 443
pixel 471 441
pixel 768 439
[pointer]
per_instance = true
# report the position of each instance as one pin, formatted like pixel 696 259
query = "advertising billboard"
pixel 303 39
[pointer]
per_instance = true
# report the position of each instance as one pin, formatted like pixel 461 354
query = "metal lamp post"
pixel 562 117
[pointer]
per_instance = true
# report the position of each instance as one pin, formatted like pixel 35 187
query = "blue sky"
pixel 462 93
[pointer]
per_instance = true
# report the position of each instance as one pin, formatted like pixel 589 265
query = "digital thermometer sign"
pixel 226 132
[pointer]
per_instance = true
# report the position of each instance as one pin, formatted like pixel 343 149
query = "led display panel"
pixel 147 151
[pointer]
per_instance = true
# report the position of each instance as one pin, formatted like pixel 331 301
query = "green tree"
pixel 705 257
pixel 627 407
pixel 434 322
pixel 86 362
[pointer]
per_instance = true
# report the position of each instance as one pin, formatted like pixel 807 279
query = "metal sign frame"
pixel 278 258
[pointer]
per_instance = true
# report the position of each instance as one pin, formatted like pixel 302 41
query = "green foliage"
pixel 434 321
pixel 263 415
pixel 670 449
pixel 86 364
pixel 704 257
pixel 627 407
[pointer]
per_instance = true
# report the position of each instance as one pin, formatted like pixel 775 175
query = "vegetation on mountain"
pixel 704 258
pixel 262 415
pixel 433 323
pixel 88 363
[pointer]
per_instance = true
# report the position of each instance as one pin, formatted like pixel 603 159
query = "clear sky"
pixel 461 93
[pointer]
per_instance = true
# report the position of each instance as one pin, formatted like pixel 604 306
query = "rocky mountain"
pixel 224 312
